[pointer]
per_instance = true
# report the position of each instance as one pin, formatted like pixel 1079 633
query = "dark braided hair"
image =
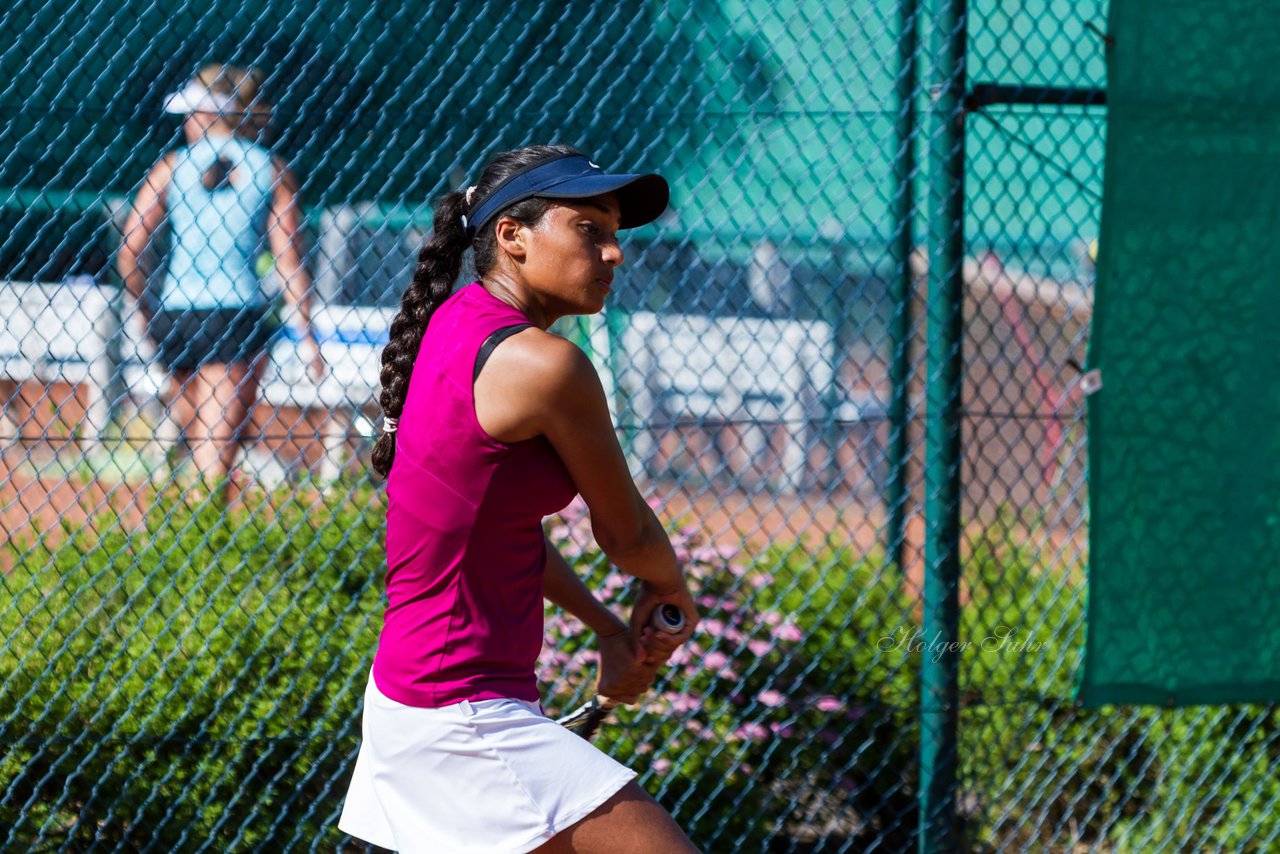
pixel 439 264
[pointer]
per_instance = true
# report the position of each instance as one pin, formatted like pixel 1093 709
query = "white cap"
pixel 195 97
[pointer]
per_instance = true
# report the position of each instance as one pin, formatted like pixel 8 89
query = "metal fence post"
pixel 904 211
pixel 939 695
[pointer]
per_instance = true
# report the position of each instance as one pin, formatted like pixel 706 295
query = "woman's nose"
pixel 613 255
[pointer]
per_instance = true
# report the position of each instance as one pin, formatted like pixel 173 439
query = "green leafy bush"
pixel 781 723
pixel 193 681
pixel 1039 773
pixel 1035 770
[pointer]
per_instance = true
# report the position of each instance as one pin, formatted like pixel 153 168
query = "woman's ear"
pixel 511 237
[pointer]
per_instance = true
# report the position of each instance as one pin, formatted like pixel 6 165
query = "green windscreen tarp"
pixel 1184 435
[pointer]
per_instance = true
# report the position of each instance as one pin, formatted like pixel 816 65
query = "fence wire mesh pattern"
pixel 183 673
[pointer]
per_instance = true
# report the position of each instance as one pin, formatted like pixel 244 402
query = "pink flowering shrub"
pixel 779 695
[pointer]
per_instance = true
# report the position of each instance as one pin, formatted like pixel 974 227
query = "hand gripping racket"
pixel 587 719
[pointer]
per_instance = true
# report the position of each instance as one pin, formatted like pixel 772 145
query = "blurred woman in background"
pixel 223 196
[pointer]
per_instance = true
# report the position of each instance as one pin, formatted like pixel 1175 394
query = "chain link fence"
pixel 183 675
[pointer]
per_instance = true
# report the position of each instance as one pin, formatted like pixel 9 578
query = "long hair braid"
pixel 439 264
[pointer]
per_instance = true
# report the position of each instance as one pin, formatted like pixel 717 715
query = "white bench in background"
pixel 710 370
pixel 72 333
pixel 699 369
pixel 351 341
pixel 60 333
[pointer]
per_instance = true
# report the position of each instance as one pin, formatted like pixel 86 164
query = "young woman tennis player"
pixel 492 424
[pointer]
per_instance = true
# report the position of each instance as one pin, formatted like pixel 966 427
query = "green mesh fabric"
pixel 1184 578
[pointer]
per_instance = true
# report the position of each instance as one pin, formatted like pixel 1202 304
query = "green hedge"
pixel 196 682
pixel 193 681
pixel 781 725
pixel 1037 772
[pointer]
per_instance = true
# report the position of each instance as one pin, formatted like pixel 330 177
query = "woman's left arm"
pixel 624 673
pixel 562 587
pixel 284 234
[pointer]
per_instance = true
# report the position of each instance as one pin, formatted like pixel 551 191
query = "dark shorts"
pixel 189 338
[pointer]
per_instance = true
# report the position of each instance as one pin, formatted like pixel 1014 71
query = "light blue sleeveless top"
pixel 216 236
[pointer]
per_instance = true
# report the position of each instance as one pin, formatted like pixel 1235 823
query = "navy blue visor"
pixel 641 198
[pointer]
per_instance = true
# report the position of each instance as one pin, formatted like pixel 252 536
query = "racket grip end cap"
pixel 668 618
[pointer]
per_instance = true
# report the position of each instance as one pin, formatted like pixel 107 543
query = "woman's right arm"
pixel 575 419
pixel 144 219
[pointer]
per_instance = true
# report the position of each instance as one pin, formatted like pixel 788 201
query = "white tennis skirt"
pixel 490 775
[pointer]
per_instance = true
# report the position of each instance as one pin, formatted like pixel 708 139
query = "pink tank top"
pixel 465 552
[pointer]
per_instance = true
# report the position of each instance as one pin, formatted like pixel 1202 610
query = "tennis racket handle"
pixel 668 619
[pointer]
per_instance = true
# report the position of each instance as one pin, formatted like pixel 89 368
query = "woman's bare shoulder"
pixel 532 380
pixel 542 358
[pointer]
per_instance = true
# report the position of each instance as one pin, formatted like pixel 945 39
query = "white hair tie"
pixel 389 425
pixel 471 191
